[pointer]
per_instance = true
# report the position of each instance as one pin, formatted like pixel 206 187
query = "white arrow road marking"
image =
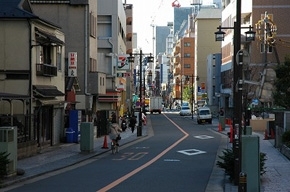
pixel 191 152
pixel 203 137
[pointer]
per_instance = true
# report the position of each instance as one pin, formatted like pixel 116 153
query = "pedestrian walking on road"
pixel 132 123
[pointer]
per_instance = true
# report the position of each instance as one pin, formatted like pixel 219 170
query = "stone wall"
pixel 26 149
pixel 285 151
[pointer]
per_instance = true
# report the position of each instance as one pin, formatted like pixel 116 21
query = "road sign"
pixel 255 101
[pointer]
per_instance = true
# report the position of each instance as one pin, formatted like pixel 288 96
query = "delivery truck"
pixel 155 104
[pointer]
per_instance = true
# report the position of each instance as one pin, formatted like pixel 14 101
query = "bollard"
pixel 243 182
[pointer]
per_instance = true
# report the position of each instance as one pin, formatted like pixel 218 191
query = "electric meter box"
pixel 8 143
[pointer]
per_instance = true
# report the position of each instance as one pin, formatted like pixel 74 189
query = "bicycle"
pixel 114 147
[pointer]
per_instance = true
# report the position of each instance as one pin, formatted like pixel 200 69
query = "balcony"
pixel 176 60
pixel 129 29
pixel 176 50
pixel 46 70
pixel 176 71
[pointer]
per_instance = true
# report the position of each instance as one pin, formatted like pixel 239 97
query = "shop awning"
pixel 46 91
pixel 51 101
pixel 109 97
pixel 45 37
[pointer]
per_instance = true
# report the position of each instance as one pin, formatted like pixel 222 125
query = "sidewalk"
pixel 276 178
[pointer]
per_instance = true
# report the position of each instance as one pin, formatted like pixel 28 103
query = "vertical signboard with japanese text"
pixel 72 64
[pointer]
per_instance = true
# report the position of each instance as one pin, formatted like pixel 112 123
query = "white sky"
pixel 148 12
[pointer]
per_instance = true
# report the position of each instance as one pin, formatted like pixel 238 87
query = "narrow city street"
pixel 179 156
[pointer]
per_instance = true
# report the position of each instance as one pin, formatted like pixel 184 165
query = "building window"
pixel 93 65
pixel 186 65
pixel 269 48
pixel 58 57
pixel 186 44
pixel 45 54
pixel 186 55
pixel 93 25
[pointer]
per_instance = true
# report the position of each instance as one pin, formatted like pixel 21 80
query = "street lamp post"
pixel 139 128
pixel 192 96
pixel 149 59
pixel 182 79
pixel 192 92
pixel 237 83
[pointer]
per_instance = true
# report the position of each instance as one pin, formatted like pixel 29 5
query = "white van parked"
pixel 204 115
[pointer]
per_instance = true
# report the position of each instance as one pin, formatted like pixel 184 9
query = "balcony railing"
pixel 46 70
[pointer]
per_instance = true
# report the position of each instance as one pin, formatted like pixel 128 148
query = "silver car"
pixel 184 111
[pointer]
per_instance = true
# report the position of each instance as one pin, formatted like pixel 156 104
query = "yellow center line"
pixel 128 175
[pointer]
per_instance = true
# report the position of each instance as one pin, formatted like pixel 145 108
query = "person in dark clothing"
pixel 132 123
pixel 124 124
pixel 222 113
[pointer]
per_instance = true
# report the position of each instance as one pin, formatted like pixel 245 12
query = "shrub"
pixel 286 138
pixel 228 163
pixel 3 164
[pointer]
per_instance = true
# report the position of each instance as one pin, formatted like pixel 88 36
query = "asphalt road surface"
pixel 179 156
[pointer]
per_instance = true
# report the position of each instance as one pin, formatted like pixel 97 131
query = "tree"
pixel 186 94
pixel 282 83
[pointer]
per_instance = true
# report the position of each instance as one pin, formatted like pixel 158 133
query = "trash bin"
pixel 69 135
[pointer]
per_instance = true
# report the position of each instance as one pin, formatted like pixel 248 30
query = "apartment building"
pixel 206 22
pixel 32 72
pixel 183 65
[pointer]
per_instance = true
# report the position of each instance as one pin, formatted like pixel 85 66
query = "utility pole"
pixel 139 129
pixel 237 92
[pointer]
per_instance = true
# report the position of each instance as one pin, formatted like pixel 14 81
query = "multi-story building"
pixel 162 33
pixel 183 60
pixel 205 23
pixel 32 72
pixel 266 51
pixel 112 53
pixel 126 104
pixel 78 20
pixel 198 26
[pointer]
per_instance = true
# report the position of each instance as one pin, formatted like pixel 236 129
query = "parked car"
pixel 184 111
pixel 204 115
